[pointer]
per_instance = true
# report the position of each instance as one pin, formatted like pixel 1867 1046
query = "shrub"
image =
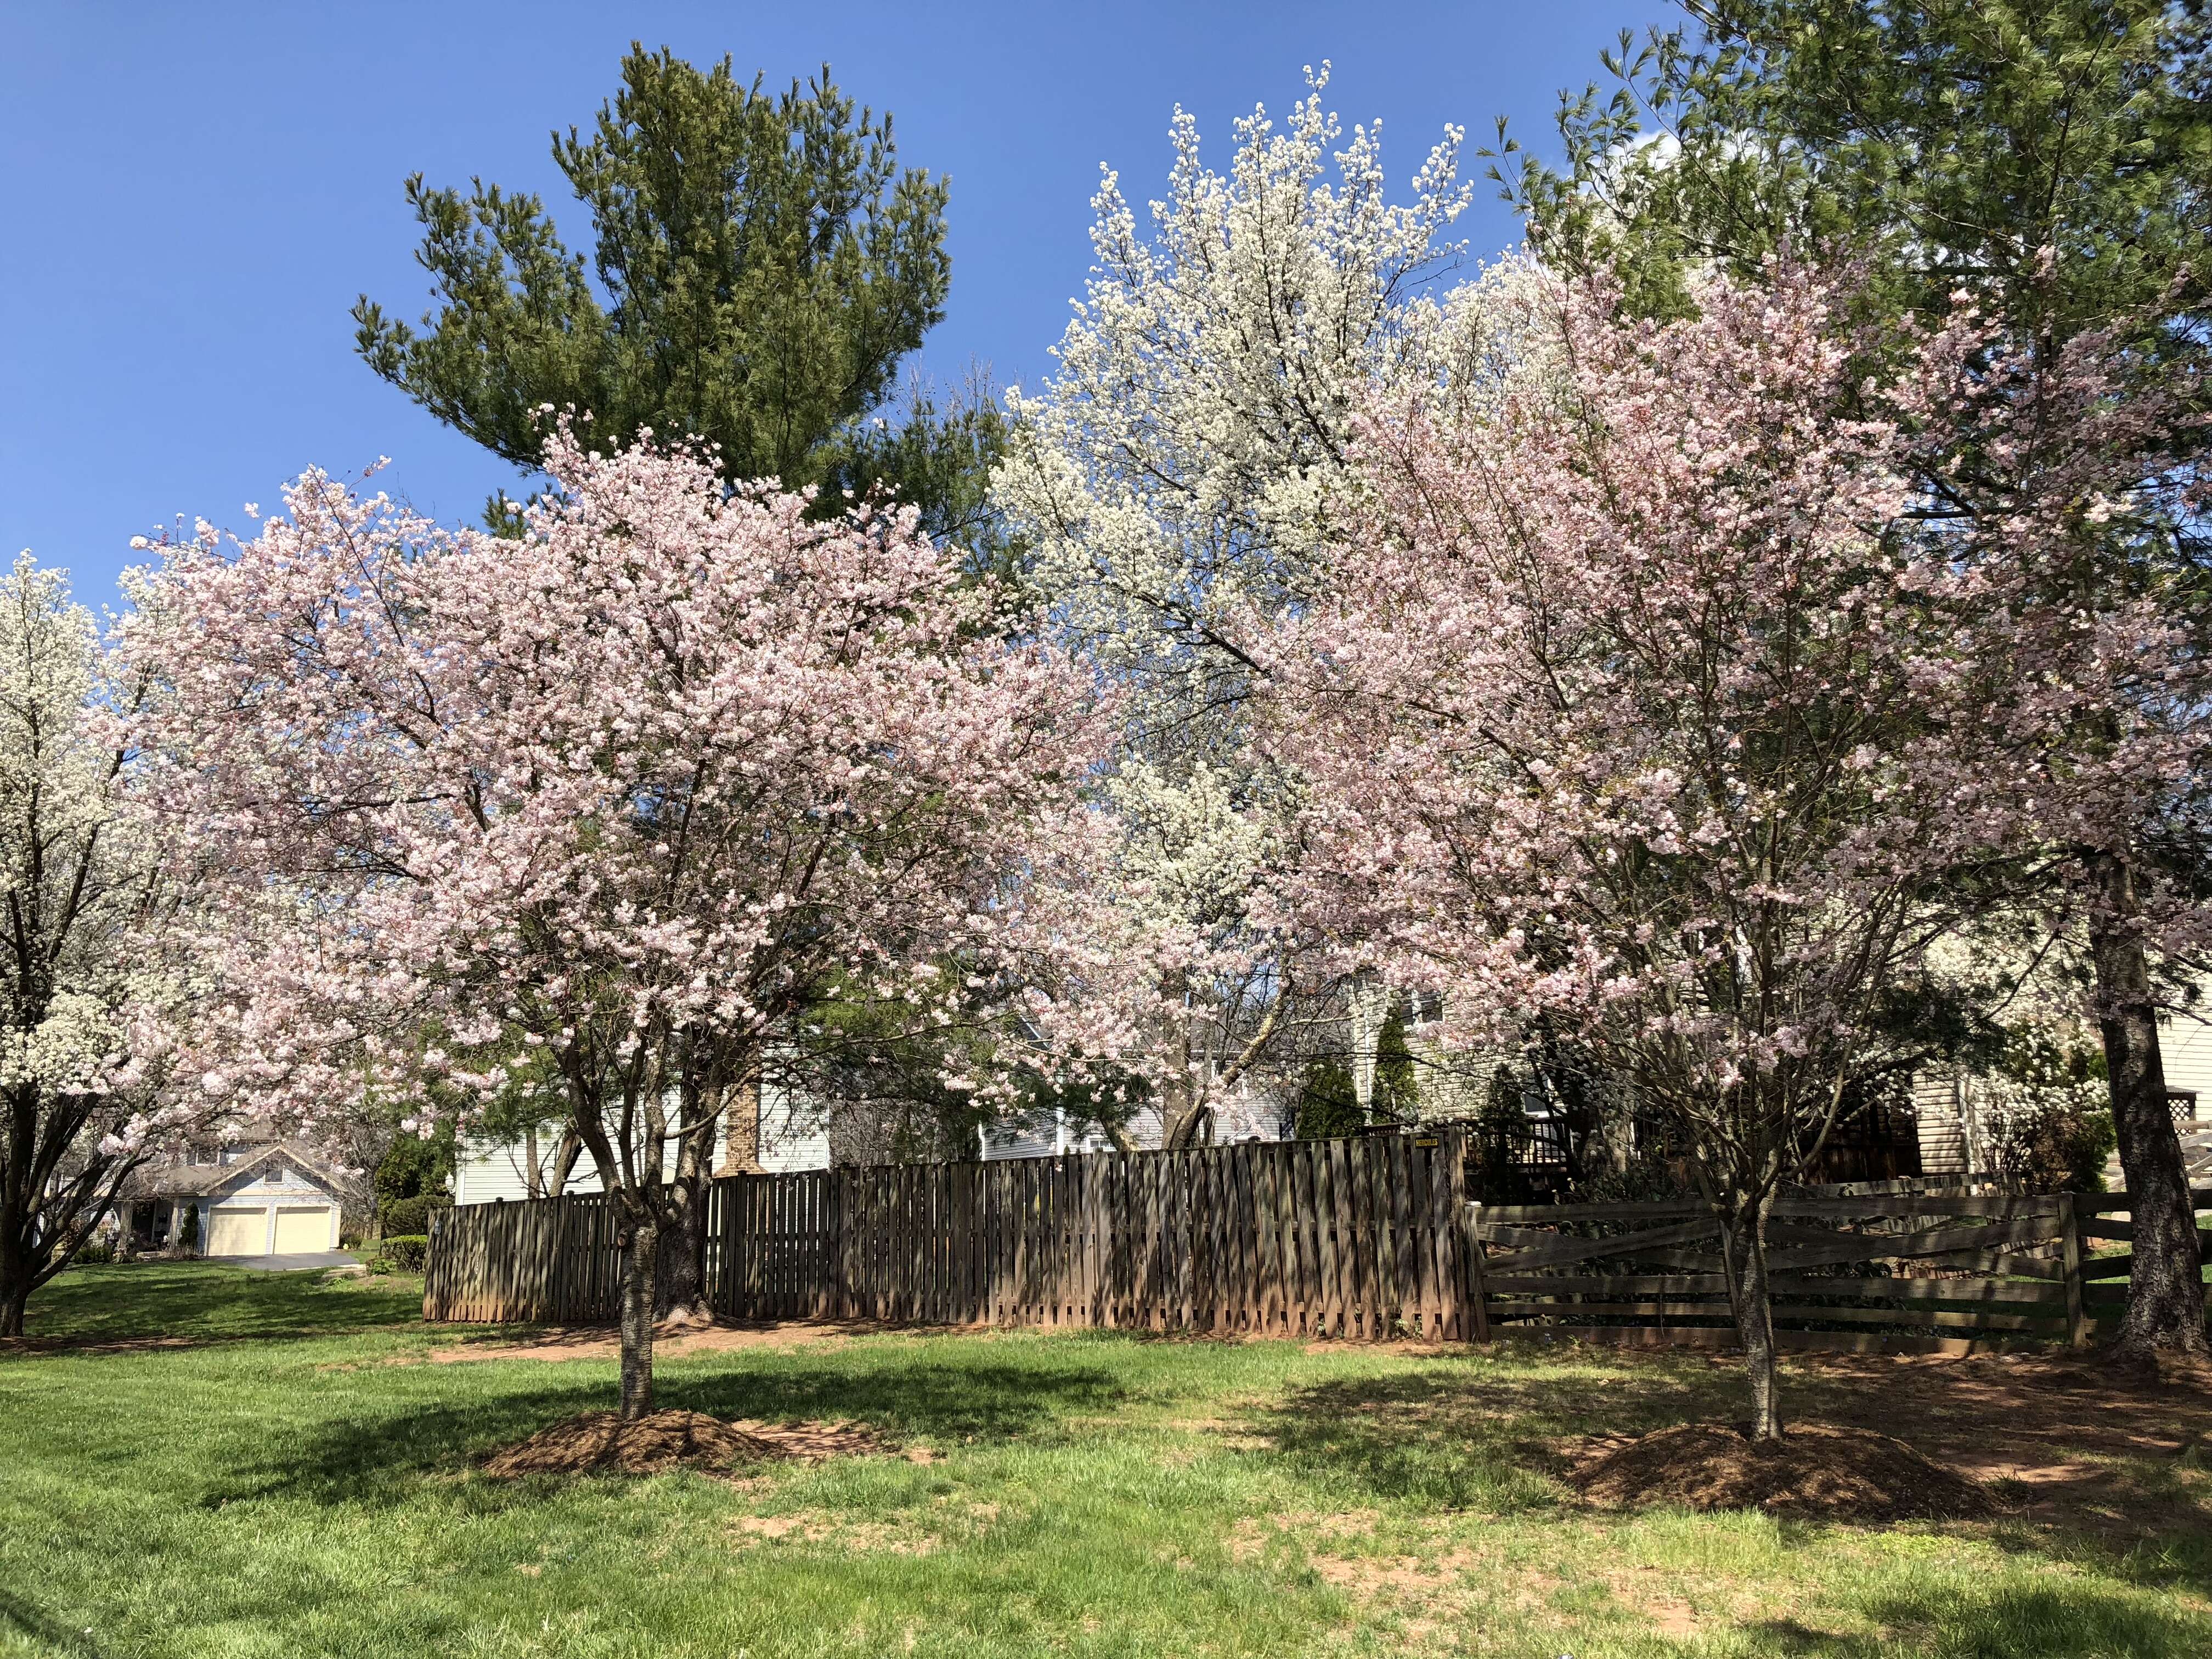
pixel 407 1216
pixel 95 1251
pixel 400 1253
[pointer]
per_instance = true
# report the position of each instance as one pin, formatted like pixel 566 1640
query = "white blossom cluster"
pixel 1189 462
pixel 85 984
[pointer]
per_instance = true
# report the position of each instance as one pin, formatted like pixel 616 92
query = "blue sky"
pixel 196 194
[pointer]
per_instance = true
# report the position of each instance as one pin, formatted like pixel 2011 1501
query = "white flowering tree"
pixel 83 1006
pixel 1185 465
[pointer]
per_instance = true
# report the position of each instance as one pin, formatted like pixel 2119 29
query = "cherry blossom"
pixel 613 798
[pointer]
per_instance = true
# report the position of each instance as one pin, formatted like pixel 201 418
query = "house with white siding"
pixel 779 1133
pixel 1245 1114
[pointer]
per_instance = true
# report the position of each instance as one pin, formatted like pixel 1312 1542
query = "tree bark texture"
pixel 2165 1291
pixel 1743 1244
pixel 640 1264
pixel 680 1279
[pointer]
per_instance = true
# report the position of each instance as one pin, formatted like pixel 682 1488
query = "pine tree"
pixel 761 266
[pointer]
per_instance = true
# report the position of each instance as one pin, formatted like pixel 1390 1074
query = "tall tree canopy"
pixel 763 264
pixel 598 811
pixel 2050 159
pixel 2051 156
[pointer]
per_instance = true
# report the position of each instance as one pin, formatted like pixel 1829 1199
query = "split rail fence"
pixel 1362 1239
pixel 1898 1266
pixel 2106 1266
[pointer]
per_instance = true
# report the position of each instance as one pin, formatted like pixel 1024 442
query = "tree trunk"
pixel 641 1262
pixel 1744 1244
pixel 2166 1292
pixel 17 1265
pixel 564 1161
pixel 682 1300
pixel 680 1282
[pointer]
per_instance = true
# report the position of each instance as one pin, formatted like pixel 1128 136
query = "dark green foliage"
pixel 884 1074
pixel 400 1253
pixel 762 265
pixel 414 1164
pixel 1396 1095
pixel 2066 1151
pixel 188 1229
pixel 410 1215
pixel 1947 142
pixel 1327 1103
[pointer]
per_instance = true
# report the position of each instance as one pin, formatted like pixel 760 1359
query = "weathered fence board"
pixel 1361 1239
pixel 1923 1266
pixel 1357 1239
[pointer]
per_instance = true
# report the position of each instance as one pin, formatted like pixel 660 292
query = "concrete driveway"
pixel 289 1264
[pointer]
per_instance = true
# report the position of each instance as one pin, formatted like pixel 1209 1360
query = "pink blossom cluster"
pixel 656 768
pixel 1659 697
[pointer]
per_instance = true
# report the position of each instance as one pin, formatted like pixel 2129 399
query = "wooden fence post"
pixel 1468 1246
pixel 1478 1291
pixel 2069 1258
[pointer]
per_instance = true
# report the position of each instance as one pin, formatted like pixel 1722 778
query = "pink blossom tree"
pixel 621 795
pixel 2067 477
pixel 1644 706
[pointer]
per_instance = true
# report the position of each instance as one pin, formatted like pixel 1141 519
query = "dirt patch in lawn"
pixel 601 1443
pixel 596 1342
pixel 1817 1471
pixel 2064 1437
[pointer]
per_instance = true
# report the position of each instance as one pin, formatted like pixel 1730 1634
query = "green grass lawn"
pixel 301 1483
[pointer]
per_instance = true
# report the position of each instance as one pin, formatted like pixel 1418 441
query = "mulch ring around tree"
pixel 601 1443
pixel 1815 1472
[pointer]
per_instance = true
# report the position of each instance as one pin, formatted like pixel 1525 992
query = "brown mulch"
pixel 601 1443
pixel 1816 1472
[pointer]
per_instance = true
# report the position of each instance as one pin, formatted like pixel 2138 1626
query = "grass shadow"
pixel 20 1616
pixel 1463 1436
pixel 387 1459
pixel 127 1305
pixel 2063 1621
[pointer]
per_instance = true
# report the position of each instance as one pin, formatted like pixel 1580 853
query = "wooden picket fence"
pixel 1360 1238
pixel 1898 1266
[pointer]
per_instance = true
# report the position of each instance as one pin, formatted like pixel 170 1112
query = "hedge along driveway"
pixel 301 1483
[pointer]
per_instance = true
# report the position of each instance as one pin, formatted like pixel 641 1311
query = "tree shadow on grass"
pixel 387 1459
pixel 126 1306
pixel 1462 1439
pixel 2062 1620
pixel 18 1615
pixel 1462 1436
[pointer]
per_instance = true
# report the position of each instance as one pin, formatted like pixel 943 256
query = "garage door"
pixel 238 1231
pixel 302 1230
